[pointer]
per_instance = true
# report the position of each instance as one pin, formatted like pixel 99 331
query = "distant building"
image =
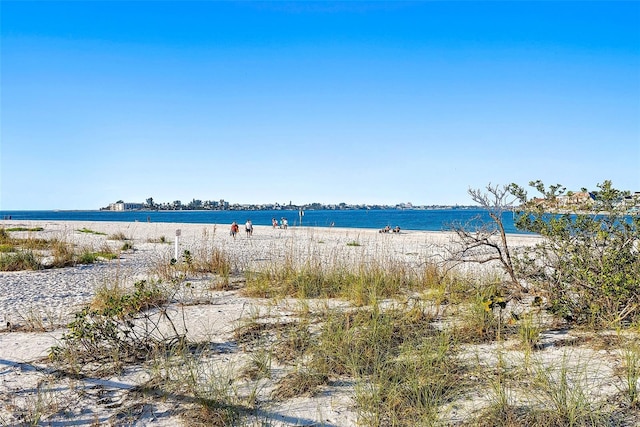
pixel 581 198
pixel 123 206
pixel 632 200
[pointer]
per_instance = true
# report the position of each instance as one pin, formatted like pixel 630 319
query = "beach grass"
pixel 34 253
pixel 89 231
pixel 413 342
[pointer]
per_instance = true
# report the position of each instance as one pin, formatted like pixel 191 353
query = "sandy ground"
pixel 50 298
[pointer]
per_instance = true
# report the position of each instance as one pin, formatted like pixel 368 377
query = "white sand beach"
pixel 35 306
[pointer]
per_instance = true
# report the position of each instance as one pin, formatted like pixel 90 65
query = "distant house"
pixel 632 200
pixel 582 198
pixel 579 200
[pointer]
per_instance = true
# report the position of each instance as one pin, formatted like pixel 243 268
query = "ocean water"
pixel 429 220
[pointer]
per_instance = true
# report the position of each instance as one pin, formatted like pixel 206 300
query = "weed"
pixel 214 261
pixel 479 321
pixel 41 320
pixel 529 332
pixel 362 283
pixel 7 247
pixel 23 260
pixel 107 329
pixel 260 365
pixel 63 253
pixel 209 385
pixel 564 396
pixel 88 231
pixel 631 374
pixel 161 239
pixel 118 236
pixel 25 229
pixel 302 382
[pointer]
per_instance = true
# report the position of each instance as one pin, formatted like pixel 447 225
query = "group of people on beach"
pixel 388 229
pixel 248 226
pixel 283 223
pixel 235 228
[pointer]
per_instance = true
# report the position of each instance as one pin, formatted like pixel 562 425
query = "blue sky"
pixel 306 102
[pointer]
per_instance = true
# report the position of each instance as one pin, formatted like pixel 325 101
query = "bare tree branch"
pixel 481 241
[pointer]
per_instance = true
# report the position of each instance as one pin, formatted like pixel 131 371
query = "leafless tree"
pixel 482 241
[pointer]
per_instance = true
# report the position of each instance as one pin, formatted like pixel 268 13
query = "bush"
pixel 111 327
pixel 587 263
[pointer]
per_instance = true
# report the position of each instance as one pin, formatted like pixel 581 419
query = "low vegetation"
pixel 24 229
pixel 86 230
pixel 416 344
pixel 591 273
pixel 33 253
pixel 586 267
pixel 118 327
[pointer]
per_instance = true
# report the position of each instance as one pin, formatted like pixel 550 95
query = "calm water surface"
pixel 429 220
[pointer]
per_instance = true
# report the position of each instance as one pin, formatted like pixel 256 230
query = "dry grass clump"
pixel 293 341
pixel 18 261
pixel 405 369
pixel 161 239
pixel 362 283
pixel 203 262
pixel 18 254
pixel 33 253
pixel 252 331
pixel 210 413
pixel 118 236
pixel 33 410
pixel 203 389
pixel 213 260
pixel 38 320
pixel 555 394
pixel 299 383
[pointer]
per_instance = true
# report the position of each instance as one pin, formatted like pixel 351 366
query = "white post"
pixel 176 245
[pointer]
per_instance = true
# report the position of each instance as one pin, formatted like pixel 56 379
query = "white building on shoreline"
pixel 123 206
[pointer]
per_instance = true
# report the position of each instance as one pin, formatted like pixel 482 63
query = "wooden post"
pixel 178 232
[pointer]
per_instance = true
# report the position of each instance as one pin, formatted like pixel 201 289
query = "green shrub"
pixel 107 328
pixel 587 263
pixel 87 258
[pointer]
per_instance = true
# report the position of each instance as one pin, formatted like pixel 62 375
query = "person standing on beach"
pixel 248 227
pixel 284 223
pixel 234 229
